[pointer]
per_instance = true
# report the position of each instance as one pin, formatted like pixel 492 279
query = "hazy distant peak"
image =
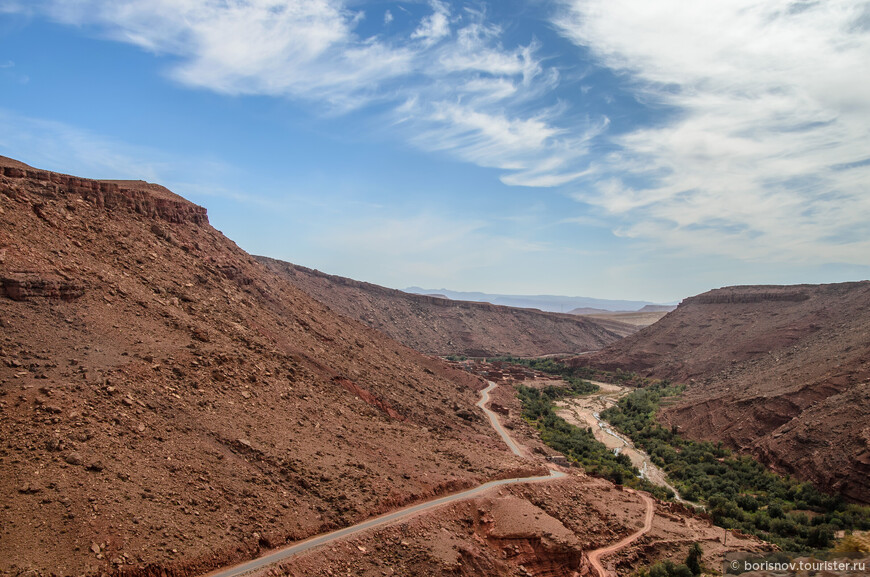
pixel 549 303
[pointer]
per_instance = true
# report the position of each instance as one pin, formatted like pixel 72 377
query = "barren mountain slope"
pixel 166 401
pixel 442 326
pixel 782 372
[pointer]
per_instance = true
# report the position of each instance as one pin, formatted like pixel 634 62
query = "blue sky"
pixel 605 148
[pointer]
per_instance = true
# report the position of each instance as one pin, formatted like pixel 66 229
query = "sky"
pixel 620 149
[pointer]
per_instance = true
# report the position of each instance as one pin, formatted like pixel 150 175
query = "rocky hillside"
pixel 442 326
pixel 782 372
pixel 168 404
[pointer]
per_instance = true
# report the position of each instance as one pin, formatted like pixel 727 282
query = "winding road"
pixel 596 555
pixel 285 553
pixel 493 420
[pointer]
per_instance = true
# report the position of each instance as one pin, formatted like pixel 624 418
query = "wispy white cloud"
pixel 761 156
pixel 761 152
pixel 301 48
pixel 533 151
pixel 435 26
pixel 477 49
pixel 473 97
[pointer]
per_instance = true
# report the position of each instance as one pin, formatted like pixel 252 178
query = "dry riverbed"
pixel 584 411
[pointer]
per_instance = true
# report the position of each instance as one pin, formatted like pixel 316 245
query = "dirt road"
pixel 493 420
pixel 596 555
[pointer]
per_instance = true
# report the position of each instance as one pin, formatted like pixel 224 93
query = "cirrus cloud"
pixel 473 92
pixel 759 152
pixel 764 152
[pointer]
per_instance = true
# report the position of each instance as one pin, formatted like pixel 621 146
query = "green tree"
pixel 693 560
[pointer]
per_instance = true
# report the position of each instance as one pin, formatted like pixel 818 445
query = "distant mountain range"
pixel 550 303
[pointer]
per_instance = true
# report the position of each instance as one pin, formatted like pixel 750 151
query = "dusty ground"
pixel 781 372
pixel 540 530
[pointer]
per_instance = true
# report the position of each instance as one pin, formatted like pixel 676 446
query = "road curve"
pixel 596 555
pixel 493 420
pixel 285 553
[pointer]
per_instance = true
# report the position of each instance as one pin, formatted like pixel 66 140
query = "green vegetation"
pixel 577 444
pixel 665 569
pixel 693 559
pixel 690 568
pixel 738 491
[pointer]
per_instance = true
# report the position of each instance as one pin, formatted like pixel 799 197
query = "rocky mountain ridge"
pixel 443 326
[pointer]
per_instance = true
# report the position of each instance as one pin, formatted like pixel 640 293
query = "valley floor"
pixel 584 411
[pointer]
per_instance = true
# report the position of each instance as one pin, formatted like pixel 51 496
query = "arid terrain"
pixel 781 372
pixel 171 406
pixel 539 529
pixel 167 400
pixel 442 326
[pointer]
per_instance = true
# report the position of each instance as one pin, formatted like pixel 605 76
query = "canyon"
pixel 171 406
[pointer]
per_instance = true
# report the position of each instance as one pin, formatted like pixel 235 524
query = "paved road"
pixel 283 554
pixel 595 556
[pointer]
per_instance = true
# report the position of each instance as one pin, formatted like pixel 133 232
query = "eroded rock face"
pixel 141 197
pixel 22 285
pixel 781 372
pixel 530 538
